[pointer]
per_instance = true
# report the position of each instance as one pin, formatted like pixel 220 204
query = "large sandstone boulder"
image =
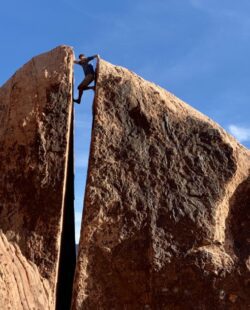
pixel 35 118
pixel 167 216
pixel 166 220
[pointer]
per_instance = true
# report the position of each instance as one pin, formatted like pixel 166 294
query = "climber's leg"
pixel 85 86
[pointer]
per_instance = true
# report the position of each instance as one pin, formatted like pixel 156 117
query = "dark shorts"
pixel 88 79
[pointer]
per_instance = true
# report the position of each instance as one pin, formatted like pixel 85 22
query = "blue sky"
pixel 197 49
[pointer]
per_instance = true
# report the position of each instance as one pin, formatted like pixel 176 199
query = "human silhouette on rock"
pixel 89 75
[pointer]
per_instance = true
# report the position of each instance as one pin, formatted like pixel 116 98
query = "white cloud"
pixel 78 219
pixel 240 133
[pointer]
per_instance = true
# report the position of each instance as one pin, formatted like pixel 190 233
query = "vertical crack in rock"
pixel 166 214
pixel 167 191
pixel 35 118
pixel 67 253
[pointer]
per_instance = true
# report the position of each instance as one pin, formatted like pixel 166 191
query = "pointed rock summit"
pixel 166 214
pixel 35 118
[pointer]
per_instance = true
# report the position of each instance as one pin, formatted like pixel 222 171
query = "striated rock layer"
pixel 35 117
pixel 166 218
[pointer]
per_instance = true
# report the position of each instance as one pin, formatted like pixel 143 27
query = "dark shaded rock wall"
pixel 35 116
pixel 166 213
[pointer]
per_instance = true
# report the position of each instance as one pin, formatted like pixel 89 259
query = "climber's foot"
pixel 77 101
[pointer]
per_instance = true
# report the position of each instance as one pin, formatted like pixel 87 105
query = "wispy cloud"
pixel 240 133
pixel 78 219
pixel 197 4
pixel 211 7
pixel 232 12
pixel 86 125
pixel 82 160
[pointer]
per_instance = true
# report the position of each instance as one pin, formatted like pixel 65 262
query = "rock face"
pixel 21 284
pixel 35 118
pixel 166 218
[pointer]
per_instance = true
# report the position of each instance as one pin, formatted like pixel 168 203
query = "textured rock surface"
pixel 35 116
pixel 21 284
pixel 166 220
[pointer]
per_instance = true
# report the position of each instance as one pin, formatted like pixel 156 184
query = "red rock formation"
pixel 36 109
pixel 166 216
pixel 166 220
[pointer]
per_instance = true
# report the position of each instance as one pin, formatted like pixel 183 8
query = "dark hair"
pixel 81 55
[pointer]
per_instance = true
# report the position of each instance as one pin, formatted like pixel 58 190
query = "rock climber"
pixel 89 74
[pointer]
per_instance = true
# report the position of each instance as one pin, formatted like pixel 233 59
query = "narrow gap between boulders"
pixel 73 215
pixel 67 260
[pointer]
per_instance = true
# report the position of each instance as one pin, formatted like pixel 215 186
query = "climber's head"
pixel 82 56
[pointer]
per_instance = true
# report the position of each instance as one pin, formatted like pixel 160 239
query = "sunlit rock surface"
pixel 166 218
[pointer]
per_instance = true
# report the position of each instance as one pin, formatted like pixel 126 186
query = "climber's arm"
pixel 92 57
pixel 87 59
